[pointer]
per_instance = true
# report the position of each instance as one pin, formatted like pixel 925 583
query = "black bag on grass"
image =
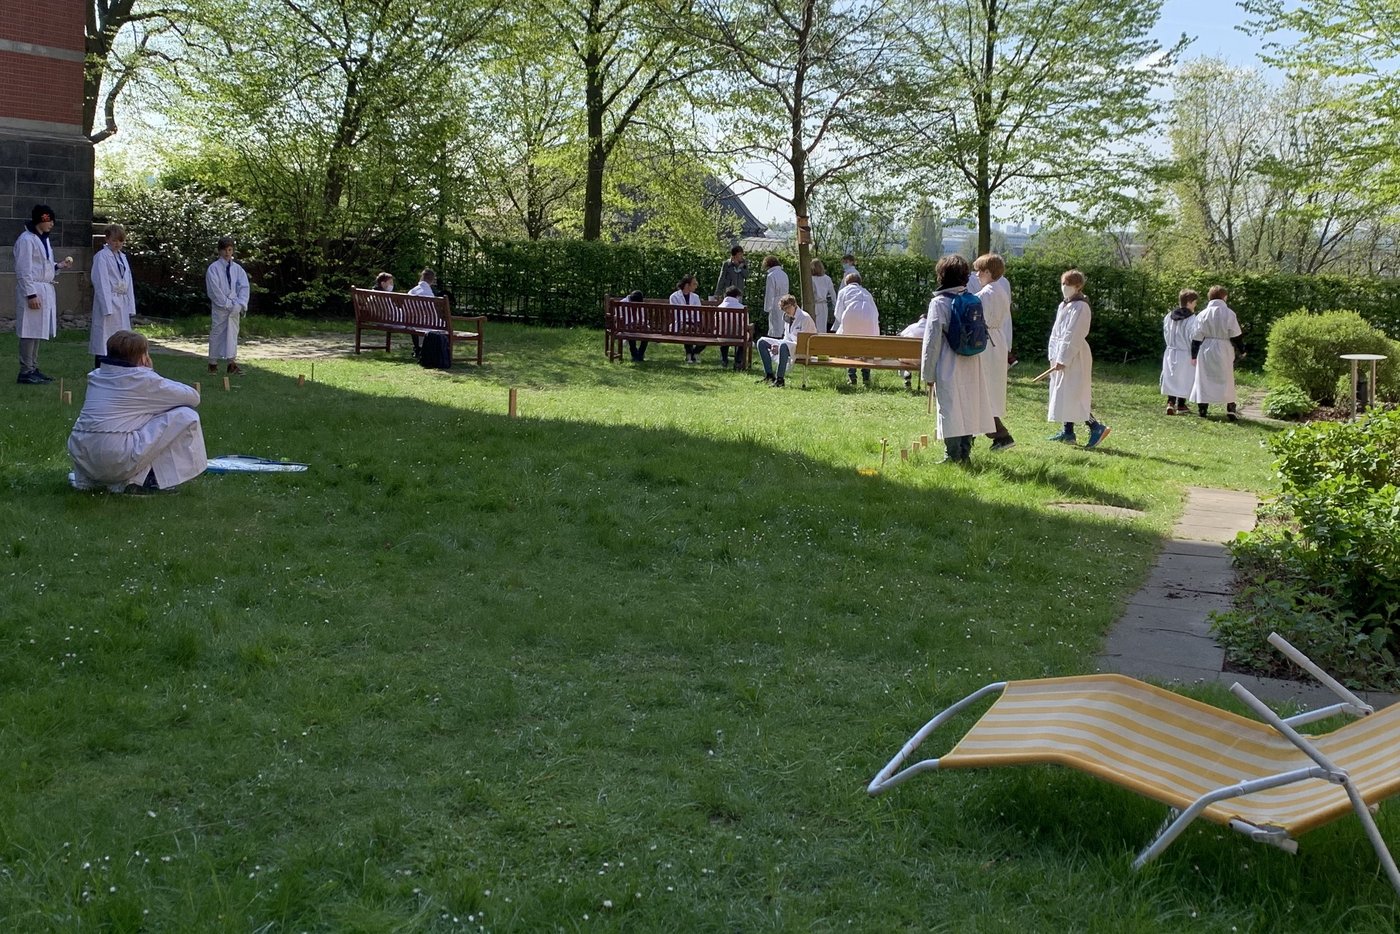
pixel 437 351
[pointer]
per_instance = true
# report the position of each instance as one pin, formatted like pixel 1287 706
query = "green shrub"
pixel 1324 566
pixel 1287 400
pixel 1306 349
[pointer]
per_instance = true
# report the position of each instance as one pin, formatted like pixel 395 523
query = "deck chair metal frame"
pixel 1322 767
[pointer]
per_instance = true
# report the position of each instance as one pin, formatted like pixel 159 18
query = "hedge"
pixel 564 282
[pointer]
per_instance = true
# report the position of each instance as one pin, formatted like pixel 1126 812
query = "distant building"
pixel 722 196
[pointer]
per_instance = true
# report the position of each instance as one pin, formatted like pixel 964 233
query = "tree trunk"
pixel 597 152
pixel 985 128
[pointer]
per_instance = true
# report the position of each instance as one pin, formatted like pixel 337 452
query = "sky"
pixel 1211 24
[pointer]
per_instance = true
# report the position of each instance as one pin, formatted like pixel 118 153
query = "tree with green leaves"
pixel 121 38
pixel 626 55
pixel 801 89
pixel 341 139
pixel 925 231
pixel 1045 102
pixel 1354 43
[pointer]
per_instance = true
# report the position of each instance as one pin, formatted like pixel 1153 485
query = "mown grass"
pixel 625 662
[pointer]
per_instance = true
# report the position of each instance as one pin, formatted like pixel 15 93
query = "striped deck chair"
pixel 1265 780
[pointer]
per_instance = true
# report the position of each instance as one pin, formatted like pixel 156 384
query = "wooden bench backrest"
pixel 415 311
pixel 851 345
pixel 661 317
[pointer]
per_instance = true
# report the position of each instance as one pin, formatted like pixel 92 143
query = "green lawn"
pixel 625 662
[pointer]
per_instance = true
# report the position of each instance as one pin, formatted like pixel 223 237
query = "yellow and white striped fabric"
pixel 1175 749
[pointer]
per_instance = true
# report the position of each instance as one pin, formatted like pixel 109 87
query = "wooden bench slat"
pixel 663 323
pixel 401 313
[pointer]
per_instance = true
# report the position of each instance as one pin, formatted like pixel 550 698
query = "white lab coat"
pixel 823 301
pixel 135 421
pixel 1178 374
pixel 113 298
pixel 1215 363
pixel 227 286
pixel 802 323
pixel 856 312
pixel 775 286
pixel 916 329
pixel 996 311
pixel 1070 389
pixel 686 320
pixel 34 275
pixel 959 383
pixel 423 289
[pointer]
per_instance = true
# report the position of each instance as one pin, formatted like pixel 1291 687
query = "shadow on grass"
pixel 461 633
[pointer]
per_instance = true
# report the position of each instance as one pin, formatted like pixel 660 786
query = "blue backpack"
pixel 967 328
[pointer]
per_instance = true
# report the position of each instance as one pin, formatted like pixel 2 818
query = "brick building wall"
pixel 45 156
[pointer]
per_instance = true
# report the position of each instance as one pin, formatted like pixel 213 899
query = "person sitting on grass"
pixel 964 409
pixel 1213 346
pixel 856 313
pixel 138 432
pixel 1072 364
pixel 795 322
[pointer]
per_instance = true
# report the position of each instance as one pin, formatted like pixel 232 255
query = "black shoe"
pixel 1001 444
pixel 43 378
pixel 779 383
pixel 29 379
pixel 767 379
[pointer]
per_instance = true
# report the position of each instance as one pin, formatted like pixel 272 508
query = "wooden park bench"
pixel 663 323
pixel 401 313
pixel 881 352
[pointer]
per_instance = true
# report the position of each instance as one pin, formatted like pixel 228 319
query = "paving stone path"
pixel 1164 632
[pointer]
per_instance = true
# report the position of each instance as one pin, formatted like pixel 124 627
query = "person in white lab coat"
pixel 36 304
pixel 989 271
pixel 685 294
pixel 1177 373
pixel 959 383
pixel 137 432
pixel 775 286
pixel 823 296
pixel 427 282
pixel 1072 364
pixel 916 329
pixel 113 295
pixel 795 322
pixel 227 286
pixel 856 313
pixel 1213 347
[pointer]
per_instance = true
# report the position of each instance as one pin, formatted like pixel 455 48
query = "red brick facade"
pixel 35 84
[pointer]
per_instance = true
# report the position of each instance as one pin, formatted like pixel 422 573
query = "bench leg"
pixel 357 338
pixel 388 338
pixel 478 350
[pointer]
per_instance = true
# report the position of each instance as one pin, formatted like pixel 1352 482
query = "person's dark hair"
pixel 636 295
pixel 1188 296
pixel 951 271
pixel 40 213
pixel 427 275
pixel 849 258
pixel 735 250
pixel 1218 291
pixel 382 278
pixel 770 261
pixel 684 281
pixel 128 346
pixel 732 292
pixel 225 243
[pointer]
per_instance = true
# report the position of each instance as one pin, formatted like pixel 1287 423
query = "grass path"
pixel 625 662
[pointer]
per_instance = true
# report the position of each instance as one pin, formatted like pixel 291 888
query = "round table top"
pixel 1363 356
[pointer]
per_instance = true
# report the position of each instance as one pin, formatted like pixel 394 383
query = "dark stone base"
pixel 57 171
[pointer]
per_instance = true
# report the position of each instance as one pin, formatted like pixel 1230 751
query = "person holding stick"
pixel 1072 364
